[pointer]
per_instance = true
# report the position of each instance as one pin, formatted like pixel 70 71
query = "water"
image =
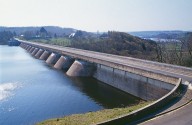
pixel 32 91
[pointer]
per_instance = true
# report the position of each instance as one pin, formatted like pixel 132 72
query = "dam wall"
pixel 141 113
pixel 142 83
pixel 135 84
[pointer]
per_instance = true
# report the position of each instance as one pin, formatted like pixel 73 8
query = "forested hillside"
pixel 51 29
pixel 118 43
pixel 5 37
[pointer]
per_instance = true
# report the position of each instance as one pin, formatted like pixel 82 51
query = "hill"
pixel 52 29
pixel 159 34
pixel 118 43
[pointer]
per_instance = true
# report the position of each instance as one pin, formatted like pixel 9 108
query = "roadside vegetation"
pixel 117 43
pixel 54 41
pixel 93 117
pixel 176 52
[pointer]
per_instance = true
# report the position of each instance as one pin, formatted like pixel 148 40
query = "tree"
pixel 5 36
pixel 43 32
pixel 159 53
pixel 187 48
pixel 14 33
pixel 187 42
pixel 29 35
pixel 55 35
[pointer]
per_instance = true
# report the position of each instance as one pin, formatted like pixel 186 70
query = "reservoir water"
pixel 32 91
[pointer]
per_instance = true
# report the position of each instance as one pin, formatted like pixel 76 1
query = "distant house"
pixel 71 35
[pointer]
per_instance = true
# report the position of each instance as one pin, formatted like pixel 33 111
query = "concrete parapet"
pixel 51 58
pixel 81 68
pixel 39 53
pixel 162 66
pixel 45 55
pixel 35 51
pixel 59 64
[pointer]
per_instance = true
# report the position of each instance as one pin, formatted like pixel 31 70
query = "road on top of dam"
pixel 127 61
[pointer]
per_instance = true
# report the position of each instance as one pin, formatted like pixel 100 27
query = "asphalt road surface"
pixel 181 116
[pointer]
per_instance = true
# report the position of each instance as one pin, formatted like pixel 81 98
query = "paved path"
pixel 182 116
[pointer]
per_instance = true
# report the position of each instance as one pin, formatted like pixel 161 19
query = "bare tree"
pixel 159 52
pixel 187 42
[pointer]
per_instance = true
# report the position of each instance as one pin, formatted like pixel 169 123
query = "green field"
pixel 93 117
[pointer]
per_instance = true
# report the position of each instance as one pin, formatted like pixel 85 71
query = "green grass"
pixel 93 117
pixel 54 41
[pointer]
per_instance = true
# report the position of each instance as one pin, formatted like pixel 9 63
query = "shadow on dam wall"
pixel 105 95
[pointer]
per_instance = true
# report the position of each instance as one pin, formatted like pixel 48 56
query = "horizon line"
pixel 160 30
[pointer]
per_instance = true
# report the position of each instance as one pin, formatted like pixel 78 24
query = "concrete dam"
pixel 144 79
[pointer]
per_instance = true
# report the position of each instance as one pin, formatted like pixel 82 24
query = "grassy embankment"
pixel 93 117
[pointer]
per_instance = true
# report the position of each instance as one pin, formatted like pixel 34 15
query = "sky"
pixel 99 15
